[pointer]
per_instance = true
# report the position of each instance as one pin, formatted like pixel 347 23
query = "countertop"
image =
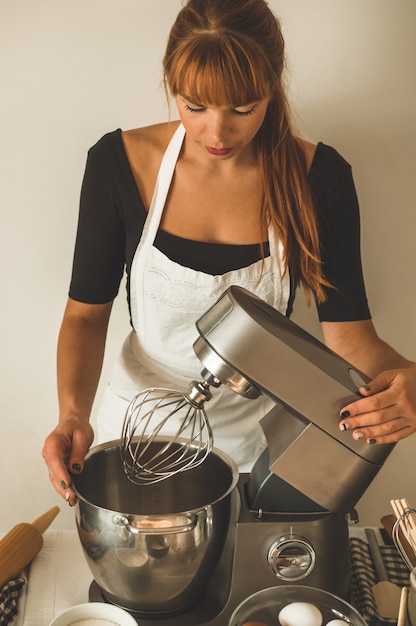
pixel 59 578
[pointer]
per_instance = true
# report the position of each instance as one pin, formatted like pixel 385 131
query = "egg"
pixel 300 614
pixel 336 622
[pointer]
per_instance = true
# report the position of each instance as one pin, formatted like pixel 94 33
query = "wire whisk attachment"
pixel 150 456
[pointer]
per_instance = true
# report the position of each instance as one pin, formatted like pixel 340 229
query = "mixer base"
pixel 194 617
pixel 251 571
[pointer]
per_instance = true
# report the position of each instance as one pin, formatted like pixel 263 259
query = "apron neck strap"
pixel 163 182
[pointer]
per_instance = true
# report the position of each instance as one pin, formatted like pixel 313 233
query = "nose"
pixel 219 127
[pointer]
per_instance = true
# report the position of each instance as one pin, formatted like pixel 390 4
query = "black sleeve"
pixel 99 255
pixel 335 196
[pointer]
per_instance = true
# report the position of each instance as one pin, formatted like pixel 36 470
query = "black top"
pixel 112 216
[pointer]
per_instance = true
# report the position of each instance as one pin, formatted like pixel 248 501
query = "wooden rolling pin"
pixel 21 544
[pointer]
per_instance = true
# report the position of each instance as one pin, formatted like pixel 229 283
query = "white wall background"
pixel 71 71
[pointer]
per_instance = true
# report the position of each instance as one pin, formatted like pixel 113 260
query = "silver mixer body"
pixel 253 349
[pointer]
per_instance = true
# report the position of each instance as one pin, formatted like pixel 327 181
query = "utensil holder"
pixel 411 600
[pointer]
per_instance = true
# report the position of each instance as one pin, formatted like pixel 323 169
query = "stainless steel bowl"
pixel 153 549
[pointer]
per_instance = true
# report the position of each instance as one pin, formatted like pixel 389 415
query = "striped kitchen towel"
pixel 364 577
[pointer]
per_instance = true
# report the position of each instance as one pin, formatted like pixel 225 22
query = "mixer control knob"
pixel 291 557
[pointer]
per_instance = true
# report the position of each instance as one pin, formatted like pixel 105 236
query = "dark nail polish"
pixel 76 467
pixel 371 441
pixel 63 484
pixel 345 414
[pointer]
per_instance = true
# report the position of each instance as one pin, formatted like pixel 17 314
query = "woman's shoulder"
pixel 329 170
pixel 322 157
pixel 143 142
pixel 144 148
pixel 331 182
pixel 148 141
pixel 154 133
pixel 328 158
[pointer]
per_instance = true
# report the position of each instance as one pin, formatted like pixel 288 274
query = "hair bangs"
pixel 219 72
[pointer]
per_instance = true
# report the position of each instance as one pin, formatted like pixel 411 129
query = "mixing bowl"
pixel 265 606
pixel 152 549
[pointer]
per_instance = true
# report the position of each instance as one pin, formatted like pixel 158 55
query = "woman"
pixel 240 199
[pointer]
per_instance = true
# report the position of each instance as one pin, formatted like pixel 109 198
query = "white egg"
pixel 300 614
pixel 337 622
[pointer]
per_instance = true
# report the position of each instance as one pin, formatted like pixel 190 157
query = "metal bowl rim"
pixel 114 443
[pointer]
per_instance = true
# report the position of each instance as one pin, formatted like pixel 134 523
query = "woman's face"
pixel 224 132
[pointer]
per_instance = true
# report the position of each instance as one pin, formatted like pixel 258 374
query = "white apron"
pixel 166 300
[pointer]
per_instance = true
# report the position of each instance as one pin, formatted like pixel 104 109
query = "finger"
pixel 63 487
pixel 60 479
pixel 381 382
pixel 76 462
pixel 380 389
pixel 71 497
pixel 80 446
pixel 59 476
pixel 387 433
pixel 368 411
pixel 57 470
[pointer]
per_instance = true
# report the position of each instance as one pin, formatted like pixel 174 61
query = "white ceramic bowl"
pixel 114 615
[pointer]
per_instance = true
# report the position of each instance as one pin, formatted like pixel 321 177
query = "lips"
pixel 218 151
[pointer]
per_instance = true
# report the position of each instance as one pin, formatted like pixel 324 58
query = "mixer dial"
pixel 291 557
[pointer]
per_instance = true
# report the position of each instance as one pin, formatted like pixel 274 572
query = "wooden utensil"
pixel 401 619
pixel 21 544
pixel 407 519
pixel 386 594
pixel 388 521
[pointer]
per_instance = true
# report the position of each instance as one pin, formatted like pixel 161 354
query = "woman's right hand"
pixel 64 451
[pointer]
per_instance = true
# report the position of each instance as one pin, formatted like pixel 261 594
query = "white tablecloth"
pixel 56 579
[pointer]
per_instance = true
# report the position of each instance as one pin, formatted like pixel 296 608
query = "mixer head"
pixel 254 349
pixel 151 414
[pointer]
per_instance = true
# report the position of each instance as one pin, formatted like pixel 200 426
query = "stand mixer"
pixel 289 517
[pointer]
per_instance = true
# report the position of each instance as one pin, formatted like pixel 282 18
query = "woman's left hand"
pixel 387 411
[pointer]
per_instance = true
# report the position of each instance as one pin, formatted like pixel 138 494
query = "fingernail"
pixel 63 484
pixel 371 441
pixel 344 427
pixel 76 467
pixel 67 496
pixel 358 435
pixel 366 387
pixel 345 414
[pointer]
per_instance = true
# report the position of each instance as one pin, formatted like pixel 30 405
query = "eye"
pixel 193 109
pixel 242 113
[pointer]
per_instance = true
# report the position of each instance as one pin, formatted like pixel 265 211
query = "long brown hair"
pixel 228 52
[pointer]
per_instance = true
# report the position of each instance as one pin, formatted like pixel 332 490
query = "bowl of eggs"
pixel 295 605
